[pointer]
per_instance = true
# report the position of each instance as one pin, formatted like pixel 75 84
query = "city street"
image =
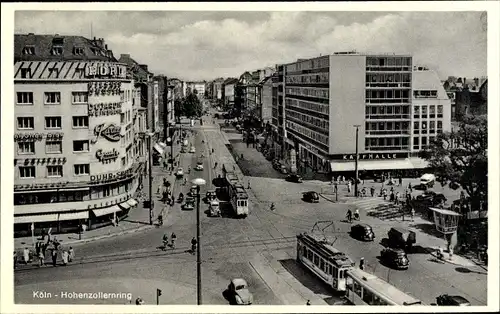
pixel 260 249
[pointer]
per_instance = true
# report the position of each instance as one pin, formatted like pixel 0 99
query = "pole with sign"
pixel 33 233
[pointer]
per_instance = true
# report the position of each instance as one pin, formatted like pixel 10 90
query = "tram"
pixel 326 262
pixel 239 200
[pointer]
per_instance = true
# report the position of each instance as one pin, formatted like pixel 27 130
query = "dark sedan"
pixel 362 232
pixel 454 300
pixel 311 196
pixel 396 258
pixel 293 178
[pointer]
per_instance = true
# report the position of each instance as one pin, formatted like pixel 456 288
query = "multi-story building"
pixel 228 87
pixel 217 89
pixel 266 108
pixel 328 97
pixel 74 137
pixel 198 87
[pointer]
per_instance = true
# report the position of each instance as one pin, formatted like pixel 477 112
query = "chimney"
pixel 94 38
pixel 476 81
pixel 106 47
pixel 465 81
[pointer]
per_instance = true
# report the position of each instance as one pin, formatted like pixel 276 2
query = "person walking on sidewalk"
pixel 65 256
pixel 412 213
pixel 362 263
pixel 71 256
pixel 54 257
pixel 173 237
pixel 372 191
pixel 26 255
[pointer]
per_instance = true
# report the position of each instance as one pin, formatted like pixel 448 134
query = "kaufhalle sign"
pixel 370 156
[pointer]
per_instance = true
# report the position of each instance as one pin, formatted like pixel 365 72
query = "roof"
pixel 93 49
pixel 134 67
pixel 230 80
pixel 445 211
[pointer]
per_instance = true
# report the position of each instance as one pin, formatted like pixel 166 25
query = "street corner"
pixel 456 260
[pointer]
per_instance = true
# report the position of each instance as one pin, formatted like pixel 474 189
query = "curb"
pixel 434 254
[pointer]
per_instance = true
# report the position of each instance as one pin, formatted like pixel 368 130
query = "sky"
pixel 201 45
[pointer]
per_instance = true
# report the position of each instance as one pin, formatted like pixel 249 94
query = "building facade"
pixel 266 100
pixel 328 97
pixel 229 87
pixel 75 157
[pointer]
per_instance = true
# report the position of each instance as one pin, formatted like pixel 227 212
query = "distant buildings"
pixel 196 87
pixel 229 88
pixel 467 96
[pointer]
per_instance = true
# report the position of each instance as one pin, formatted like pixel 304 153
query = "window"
pixel 416 127
pixel 122 118
pixel 424 128
pixel 416 111
pixel 29 50
pixel 440 111
pixel 79 51
pixel 52 98
pixel 56 51
pixel 416 142
pixel 357 288
pixel 123 162
pixel 316 260
pixel 79 97
pixel 24 98
pixel 82 169
pixel 53 147
pixel 432 111
pixel 25 148
pixel 424 142
pixel 53 122
pixel 81 122
pixel 424 111
pixel 54 171
pixel 440 127
pixel 81 146
pixel 432 127
pixel 27 172
pixel 25 73
pixel 25 123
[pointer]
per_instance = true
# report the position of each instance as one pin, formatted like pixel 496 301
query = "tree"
pixel 179 108
pixel 460 158
pixel 192 106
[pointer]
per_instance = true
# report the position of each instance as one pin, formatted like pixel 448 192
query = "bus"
pixel 329 264
pixel 239 200
pixel 366 289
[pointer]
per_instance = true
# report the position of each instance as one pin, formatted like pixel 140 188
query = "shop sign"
pixel 105 70
pixel 110 132
pixel 106 156
pixel 101 109
pixel 365 156
pixel 111 176
pixel 27 137
pixel 104 88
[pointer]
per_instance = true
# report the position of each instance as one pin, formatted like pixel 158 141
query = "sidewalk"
pixel 137 219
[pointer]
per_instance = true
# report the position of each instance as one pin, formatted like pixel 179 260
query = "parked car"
pixel 401 238
pixel 293 178
pixel 455 300
pixel 396 258
pixel 362 232
pixel 428 180
pixel 210 196
pixel 179 173
pixel 310 196
pixel 432 197
pixel 188 204
pixel 238 288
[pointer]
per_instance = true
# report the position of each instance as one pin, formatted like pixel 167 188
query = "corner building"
pixel 74 134
pixel 326 97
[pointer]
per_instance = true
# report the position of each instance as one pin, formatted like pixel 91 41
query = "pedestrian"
pixel 451 253
pixel 308 302
pixel 215 167
pixel 26 255
pixel 65 256
pixel 349 187
pixel 139 301
pixel 248 186
pixel 54 257
pixel 158 190
pixel 41 259
pixel 213 150
pixel 362 263
pixel 400 181
pixel 372 191
pixel 15 259
pixel 173 237
pixel 71 256
pixel 392 197
pixel 385 194
pixel 410 187
pixel 412 213
pixel 396 198
pixel 343 179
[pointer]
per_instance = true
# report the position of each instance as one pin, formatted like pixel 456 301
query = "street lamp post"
pixel 150 170
pixel 198 182
pixel 356 162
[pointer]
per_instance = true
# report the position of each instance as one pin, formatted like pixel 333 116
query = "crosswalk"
pixel 377 207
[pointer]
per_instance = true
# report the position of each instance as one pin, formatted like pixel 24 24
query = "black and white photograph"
pixel 292 156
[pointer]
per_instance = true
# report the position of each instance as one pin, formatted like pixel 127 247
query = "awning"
pixel 124 205
pixel 73 215
pixel 388 164
pixel 419 163
pixel 445 211
pixel 158 149
pixel 132 202
pixel 35 218
pixel 106 211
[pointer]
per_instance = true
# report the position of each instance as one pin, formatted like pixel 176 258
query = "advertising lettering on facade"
pixel 106 88
pixel 29 137
pixel 368 156
pixel 112 176
pixel 102 109
pixel 105 70
pixel 111 132
pixel 106 156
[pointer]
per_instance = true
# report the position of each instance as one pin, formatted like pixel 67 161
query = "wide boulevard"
pixel 260 249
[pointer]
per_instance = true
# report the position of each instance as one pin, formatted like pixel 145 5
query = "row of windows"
pixel 307 132
pixel 308 78
pixel 325 267
pixel 425 93
pixel 422 142
pixel 321 108
pixel 388 61
pixel 51 98
pixel 372 78
pixel 308 91
pixel 386 143
pixel 52 147
pixel 29 172
pixel 421 111
pixel 28 123
pixel 96 192
pixel 388 94
pixel 57 50
pixel 387 110
pixel 309 65
pixel 368 296
pixel 381 126
pixel 320 123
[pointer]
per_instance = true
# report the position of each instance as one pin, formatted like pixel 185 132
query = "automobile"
pixel 192 150
pixel 428 180
pixel 396 258
pixel 401 238
pixel 199 166
pixel 210 196
pixel 238 288
pixel 214 208
pixel 456 300
pixel 310 196
pixel 293 178
pixel 188 204
pixel 362 232
pixel 432 197
pixel 179 172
